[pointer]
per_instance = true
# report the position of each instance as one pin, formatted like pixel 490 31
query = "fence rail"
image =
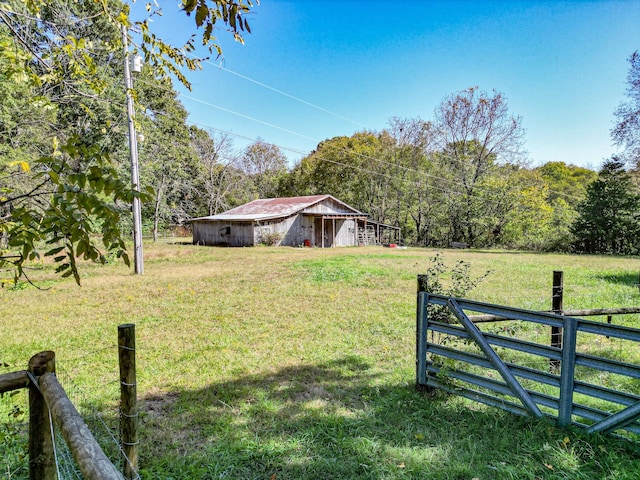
pixel 49 405
pixel 93 463
pixel 516 374
pixel 13 381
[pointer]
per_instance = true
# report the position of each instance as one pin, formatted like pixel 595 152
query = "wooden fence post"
pixel 42 464
pixel 128 398
pixel 556 307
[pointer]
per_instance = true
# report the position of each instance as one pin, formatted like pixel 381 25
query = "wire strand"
pixel 285 94
pixel 361 155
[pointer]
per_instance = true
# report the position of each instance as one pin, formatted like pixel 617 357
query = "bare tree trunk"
pixel 156 213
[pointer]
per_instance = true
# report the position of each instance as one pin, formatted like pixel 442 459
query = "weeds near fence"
pixel 14 450
pixel 452 281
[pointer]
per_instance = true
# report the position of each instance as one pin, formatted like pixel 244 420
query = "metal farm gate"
pixel 584 383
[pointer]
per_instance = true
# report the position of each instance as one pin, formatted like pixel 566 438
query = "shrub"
pixel 461 282
pixel 271 239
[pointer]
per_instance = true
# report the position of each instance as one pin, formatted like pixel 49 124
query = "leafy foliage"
pixel 476 133
pixel 609 218
pixel 81 200
pixel 567 182
pixel 460 283
pixel 164 57
pixel 266 166
pixel 566 187
pixel 457 179
pixel 223 184
pixel 60 70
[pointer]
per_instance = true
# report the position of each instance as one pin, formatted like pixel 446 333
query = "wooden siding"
pixel 223 233
pixel 296 230
pixel 329 207
pixel 343 236
pixel 293 230
pixel 289 229
pixel 346 233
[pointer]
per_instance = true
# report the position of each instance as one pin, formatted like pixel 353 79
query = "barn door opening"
pixel 324 232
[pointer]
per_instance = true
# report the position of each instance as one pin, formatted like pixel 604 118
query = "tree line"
pixel 461 176
pixel 402 176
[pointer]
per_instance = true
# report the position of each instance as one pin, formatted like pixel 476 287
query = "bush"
pixel 460 283
pixel 272 239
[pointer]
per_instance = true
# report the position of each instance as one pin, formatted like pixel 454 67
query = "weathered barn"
pixel 317 220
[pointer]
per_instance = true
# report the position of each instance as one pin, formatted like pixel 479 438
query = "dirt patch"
pixel 157 402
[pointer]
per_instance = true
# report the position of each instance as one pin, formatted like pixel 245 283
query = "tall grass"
pixel 283 363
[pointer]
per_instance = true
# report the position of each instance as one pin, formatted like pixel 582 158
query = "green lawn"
pixel 282 363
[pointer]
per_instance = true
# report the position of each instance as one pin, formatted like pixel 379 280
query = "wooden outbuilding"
pixel 316 220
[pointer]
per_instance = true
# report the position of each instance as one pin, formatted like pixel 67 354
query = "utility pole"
pixel 133 153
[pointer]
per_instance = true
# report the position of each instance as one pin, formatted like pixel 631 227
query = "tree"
pixel 566 187
pixel 266 166
pixel 608 219
pixel 568 182
pixel 475 133
pixel 68 189
pixel 515 209
pixel 415 207
pixel 354 169
pixel 61 186
pixel 168 162
pixel 626 133
pixel 224 184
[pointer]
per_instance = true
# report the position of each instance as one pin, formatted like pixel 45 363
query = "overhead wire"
pixel 291 132
pixel 359 154
pixel 285 94
pixel 369 157
pixel 345 150
pixel 247 117
pixel 351 166
pixel 324 110
pixel 244 77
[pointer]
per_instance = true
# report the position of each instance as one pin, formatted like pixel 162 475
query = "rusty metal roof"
pixel 271 208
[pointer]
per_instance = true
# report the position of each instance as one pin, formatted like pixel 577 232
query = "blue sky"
pixel 352 65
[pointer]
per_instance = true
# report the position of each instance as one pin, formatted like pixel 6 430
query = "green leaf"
pixel 201 14
pixel 53 251
pixel 189 5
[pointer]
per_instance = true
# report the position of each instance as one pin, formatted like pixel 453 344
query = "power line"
pixel 359 168
pixel 332 113
pixel 247 117
pixel 361 155
pixel 285 94
pixel 345 150
pixel 300 100
pixel 244 137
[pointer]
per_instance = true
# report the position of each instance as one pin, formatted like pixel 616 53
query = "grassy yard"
pixel 281 363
